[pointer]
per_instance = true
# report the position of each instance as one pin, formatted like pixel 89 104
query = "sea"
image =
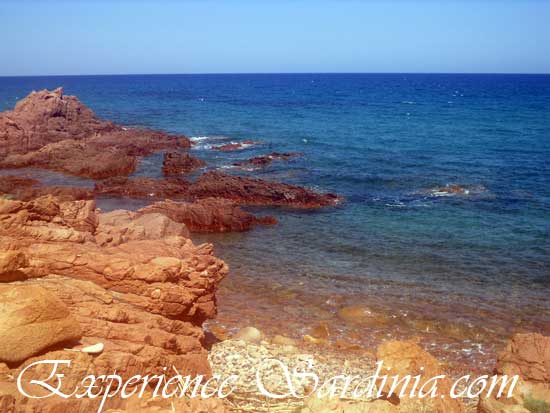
pixel 457 271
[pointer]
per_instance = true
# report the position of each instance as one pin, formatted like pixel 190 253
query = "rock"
pixel 62 193
pixel 249 191
pixel 10 264
pixel 32 320
pixel 12 183
pixel 175 188
pixel 49 130
pixel 407 358
pixel 93 349
pixel 249 335
pixel 229 147
pixel 208 215
pixel 362 315
pixel 121 226
pixel 176 163
pixel 143 295
pixel 46 117
pixel 314 340
pixel 283 341
pixel 75 157
pixel 528 356
pixel 265 160
pixel 321 331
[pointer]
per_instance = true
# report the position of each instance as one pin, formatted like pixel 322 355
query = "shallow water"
pixel 460 272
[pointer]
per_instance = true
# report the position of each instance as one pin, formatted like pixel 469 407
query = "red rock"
pixel 404 358
pixel 249 191
pixel 176 163
pixel 12 183
pixel 229 147
pixel 527 356
pixel 75 158
pixel 117 227
pixel 52 131
pixel 62 193
pixel 143 187
pixel 133 282
pixel 32 319
pixel 208 215
pixel 267 159
pixel 46 117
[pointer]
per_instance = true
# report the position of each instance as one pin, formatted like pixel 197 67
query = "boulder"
pixel 32 320
pixel 10 264
pixel 404 358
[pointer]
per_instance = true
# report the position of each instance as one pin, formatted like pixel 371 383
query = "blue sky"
pixel 206 36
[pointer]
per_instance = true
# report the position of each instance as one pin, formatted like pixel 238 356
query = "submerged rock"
pixel 249 334
pixel 229 147
pixel 176 163
pixel 265 160
pixel 250 191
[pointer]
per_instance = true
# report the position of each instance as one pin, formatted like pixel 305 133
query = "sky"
pixel 261 36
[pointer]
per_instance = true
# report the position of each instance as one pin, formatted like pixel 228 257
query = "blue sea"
pixel 460 273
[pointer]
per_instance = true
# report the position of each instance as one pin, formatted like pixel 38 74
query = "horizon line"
pixel 278 73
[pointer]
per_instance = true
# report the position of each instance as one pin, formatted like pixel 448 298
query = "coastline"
pixel 149 265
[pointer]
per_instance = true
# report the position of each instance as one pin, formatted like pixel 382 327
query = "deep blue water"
pixel 382 141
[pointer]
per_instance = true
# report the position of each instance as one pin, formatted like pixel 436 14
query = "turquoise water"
pixel 384 141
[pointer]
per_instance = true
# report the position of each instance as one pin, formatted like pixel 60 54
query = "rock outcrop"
pixel 237 189
pixel 47 117
pixel 208 215
pixel 50 130
pixel 78 158
pixel 133 282
pixel 176 163
pixel 250 191
pixel 528 356
pixel 173 188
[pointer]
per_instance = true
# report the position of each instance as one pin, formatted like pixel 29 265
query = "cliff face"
pixel 134 283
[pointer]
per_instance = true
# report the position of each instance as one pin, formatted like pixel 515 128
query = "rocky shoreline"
pixel 129 291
